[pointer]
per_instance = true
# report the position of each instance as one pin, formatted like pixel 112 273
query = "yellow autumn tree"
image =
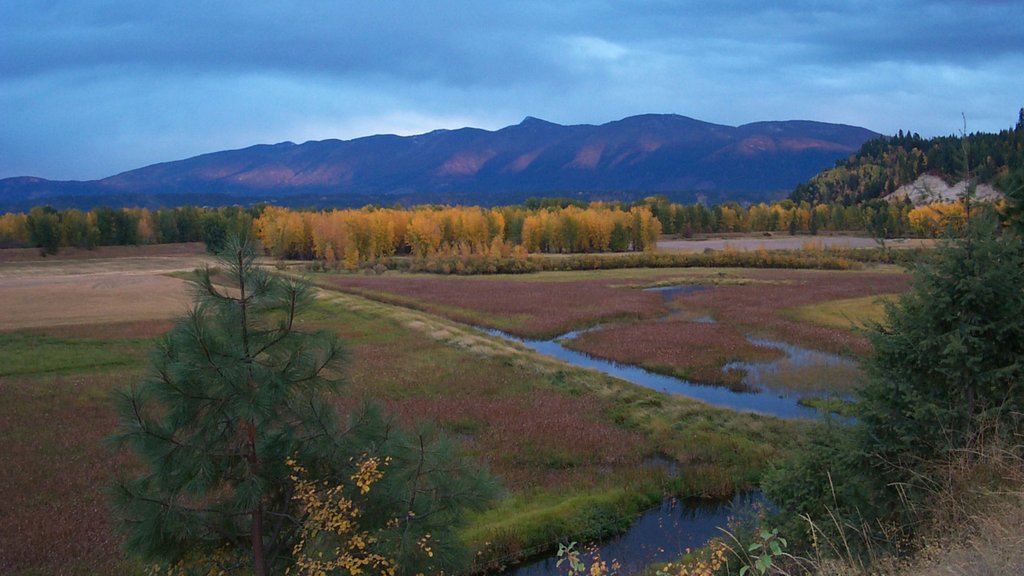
pixel 14 229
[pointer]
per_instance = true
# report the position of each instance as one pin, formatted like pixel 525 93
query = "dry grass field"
pixel 117 284
pixel 75 329
pixel 58 300
pixel 183 250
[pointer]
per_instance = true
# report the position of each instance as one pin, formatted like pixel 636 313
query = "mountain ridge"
pixel 632 157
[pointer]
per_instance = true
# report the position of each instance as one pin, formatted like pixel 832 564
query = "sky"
pixel 91 88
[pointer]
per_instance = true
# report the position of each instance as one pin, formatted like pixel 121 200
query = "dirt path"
pixel 782 243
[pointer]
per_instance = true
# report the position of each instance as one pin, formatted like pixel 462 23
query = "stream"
pixel 765 394
pixel 761 401
pixel 661 534
pixel 664 533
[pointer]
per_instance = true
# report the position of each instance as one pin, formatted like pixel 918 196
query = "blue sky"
pixel 90 88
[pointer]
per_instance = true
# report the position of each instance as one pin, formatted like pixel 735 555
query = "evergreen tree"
pixel 946 361
pixel 235 390
pixel 950 352
pixel 238 398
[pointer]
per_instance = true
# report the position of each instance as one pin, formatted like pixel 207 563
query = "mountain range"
pixel 682 158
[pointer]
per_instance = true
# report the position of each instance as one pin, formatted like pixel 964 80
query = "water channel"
pixel 659 535
pixel 664 533
pixel 763 401
pixel 765 394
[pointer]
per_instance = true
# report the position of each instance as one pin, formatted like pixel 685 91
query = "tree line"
pixel 49 230
pixel 353 236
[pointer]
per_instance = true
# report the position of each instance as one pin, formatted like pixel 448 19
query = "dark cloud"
pixel 91 87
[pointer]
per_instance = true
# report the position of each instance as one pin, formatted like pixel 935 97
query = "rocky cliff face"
pixel 928 189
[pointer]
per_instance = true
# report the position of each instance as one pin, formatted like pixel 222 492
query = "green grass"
pixel 531 524
pixel 838 406
pixel 25 353
pixel 849 313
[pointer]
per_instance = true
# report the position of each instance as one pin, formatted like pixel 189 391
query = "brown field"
pixel 756 308
pixel 697 351
pixel 55 300
pixel 109 285
pixel 694 351
pixel 532 308
pixel 741 302
pixel 53 514
pixel 563 436
pixel 185 249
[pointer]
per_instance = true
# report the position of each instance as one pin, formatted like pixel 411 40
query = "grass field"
pixel 848 313
pixel 73 328
pixel 535 306
pixel 708 328
pixel 565 442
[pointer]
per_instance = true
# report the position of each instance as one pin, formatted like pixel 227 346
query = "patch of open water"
pixel 670 292
pixel 662 534
pixel 831 375
pixel 762 402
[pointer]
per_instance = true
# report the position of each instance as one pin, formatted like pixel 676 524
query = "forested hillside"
pixel 884 164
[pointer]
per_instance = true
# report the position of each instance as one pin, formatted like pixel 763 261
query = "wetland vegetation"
pixel 579 453
pixel 564 441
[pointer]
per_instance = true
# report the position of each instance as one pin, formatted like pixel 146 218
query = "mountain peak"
pixel 632 157
pixel 533 121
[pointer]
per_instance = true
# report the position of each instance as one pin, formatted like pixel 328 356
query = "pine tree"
pixel 237 400
pixel 234 391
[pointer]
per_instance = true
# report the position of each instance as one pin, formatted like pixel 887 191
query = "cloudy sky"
pixel 89 88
